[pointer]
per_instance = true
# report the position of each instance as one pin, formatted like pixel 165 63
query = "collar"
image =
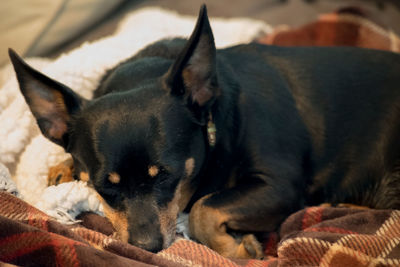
pixel 211 131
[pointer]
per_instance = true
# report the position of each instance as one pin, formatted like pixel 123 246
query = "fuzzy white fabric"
pixel 6 182
pixel 28 154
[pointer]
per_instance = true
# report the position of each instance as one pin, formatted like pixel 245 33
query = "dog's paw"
pixel 61 173
pixel 6 183
pixel 250 248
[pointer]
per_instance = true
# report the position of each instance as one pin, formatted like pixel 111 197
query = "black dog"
pixel 240 137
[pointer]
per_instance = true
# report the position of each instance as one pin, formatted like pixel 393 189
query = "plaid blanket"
pixel 346 27
pixel 316 236
pixel 28 237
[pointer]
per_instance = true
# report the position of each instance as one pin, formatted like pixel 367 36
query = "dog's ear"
pixel 51 102
pixel 193 75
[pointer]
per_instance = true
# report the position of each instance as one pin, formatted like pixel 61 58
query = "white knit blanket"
pixel 28 155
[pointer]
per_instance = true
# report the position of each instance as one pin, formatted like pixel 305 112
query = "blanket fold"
pixel 319 236
pixel 31 238
pixel 316 236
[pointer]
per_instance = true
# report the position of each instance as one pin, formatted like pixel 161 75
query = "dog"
pixel 239 137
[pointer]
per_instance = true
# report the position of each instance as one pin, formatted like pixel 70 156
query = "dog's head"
pixel 140 148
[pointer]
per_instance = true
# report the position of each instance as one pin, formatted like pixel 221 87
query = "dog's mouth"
pixel 153 236
pixel 145 224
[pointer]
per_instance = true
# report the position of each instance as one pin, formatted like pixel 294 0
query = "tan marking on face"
pixel 167 219
pixel 169 215
pixel 84 176
pixel 153 171
pixel 186 192
pixel 189 166
pixel 118 219
pixel 114 178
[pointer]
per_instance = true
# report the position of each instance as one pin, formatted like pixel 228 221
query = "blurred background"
pixel 48 28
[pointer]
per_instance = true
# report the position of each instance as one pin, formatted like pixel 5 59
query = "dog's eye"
pixel 162 173
pixel 164 180
pixel 112 198
pixel 110 192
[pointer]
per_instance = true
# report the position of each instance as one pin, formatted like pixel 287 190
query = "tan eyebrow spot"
pixel 168 216
pixel 189 166
pixel 118 219
pixel 153 171
pixel 114 178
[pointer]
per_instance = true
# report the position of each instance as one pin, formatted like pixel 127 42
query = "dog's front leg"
pixel 61 173
pixel 64 173
pixel 241 210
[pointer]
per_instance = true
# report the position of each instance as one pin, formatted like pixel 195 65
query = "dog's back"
pixel 338 108
pixel 334 109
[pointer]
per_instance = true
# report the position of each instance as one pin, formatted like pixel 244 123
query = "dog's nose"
pixel 150 244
